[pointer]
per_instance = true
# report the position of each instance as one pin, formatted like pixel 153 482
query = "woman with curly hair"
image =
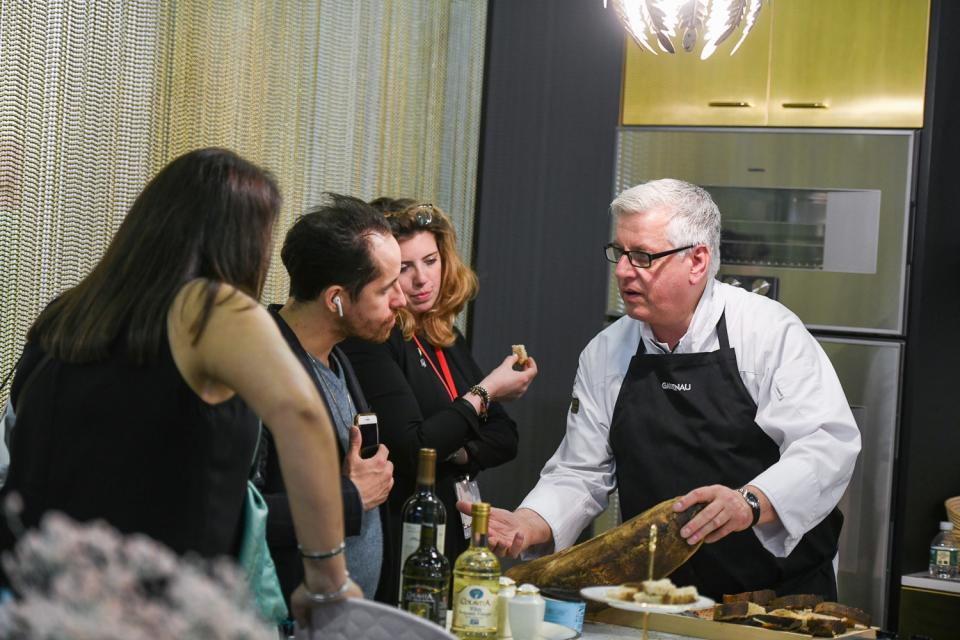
pixel 424 385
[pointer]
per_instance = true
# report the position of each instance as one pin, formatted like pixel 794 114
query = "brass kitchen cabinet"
pixel 807 63
pixel 682 89
pixel 850 63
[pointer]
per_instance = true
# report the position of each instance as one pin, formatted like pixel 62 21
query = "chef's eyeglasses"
pixel 639 259
pixel 418 216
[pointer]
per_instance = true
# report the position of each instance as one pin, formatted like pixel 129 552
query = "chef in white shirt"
pixel 704 391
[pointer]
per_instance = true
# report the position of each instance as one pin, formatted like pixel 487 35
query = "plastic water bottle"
pixel 944 554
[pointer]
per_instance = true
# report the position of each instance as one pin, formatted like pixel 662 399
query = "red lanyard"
pixel 446 379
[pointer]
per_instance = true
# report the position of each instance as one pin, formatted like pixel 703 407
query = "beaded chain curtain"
pixel 367 98
pixel 76 93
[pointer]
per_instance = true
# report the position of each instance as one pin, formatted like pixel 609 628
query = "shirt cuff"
pixel 565 511
pixel 794 493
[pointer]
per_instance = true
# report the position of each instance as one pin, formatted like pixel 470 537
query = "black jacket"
pixel 281 536
pixel 415 411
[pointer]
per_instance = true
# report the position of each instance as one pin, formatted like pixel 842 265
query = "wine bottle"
pixel 426 579
pixel 476 582
pixel 422 506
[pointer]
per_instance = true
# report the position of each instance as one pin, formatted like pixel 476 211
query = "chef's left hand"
pixel 725 512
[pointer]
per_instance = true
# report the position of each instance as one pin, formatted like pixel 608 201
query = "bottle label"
pixel 475 608
pixel 410 541
pixel 943 557
pixel 425 602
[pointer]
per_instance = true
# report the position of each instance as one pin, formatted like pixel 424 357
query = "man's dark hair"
pixel 330 246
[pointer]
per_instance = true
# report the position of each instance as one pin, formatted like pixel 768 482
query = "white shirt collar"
pixel 702 326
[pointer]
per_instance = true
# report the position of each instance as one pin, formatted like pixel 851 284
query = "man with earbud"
pixel 344 266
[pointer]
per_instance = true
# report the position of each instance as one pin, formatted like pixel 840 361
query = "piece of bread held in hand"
pixel 521 352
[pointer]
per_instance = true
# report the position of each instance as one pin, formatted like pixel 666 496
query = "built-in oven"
pixel 819 220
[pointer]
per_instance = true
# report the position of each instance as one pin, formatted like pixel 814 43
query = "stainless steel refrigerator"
pixel 819 220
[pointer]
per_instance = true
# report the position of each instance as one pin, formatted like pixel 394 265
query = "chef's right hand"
pixel 372 476
pixel 510 533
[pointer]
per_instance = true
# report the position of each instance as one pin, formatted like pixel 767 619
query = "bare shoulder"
pixel 203 334
pixel 192 296
pixel 230 305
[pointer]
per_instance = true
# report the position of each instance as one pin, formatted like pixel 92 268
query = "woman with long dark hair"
pixel 139 389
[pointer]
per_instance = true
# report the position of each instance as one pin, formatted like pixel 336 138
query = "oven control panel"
pixel 764 285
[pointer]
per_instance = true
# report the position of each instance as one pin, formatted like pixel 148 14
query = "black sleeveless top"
pixel 132 445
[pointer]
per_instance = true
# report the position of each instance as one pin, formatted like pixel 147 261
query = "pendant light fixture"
pixel 680 24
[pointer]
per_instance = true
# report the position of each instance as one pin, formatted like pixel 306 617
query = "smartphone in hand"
pixel 369 434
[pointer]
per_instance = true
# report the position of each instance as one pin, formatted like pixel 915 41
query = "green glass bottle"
pixel 422 506
pixel 426 579
pixel 476 582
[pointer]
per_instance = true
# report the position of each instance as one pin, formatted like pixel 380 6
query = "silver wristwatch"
pixel 754 503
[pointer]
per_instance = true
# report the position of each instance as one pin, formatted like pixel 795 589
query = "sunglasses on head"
pixel 420 215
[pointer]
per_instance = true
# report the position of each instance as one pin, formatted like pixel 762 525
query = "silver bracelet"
pixel 330 596
pixel 322 555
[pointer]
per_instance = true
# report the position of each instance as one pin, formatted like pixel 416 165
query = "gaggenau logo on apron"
pixel 676 387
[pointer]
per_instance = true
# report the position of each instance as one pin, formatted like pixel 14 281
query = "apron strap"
pixel 641 349
pixel 722 331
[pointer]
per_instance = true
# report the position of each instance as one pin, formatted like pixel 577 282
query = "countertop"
pixel 924 580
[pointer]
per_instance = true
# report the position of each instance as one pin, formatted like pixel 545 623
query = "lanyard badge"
pixel 467 489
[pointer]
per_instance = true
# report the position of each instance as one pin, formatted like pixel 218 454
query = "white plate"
pixel 599 594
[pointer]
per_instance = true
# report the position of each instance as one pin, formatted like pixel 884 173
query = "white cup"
pixel 526 613
pixel 508 589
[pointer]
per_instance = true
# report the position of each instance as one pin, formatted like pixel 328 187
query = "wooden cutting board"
pixel 706 629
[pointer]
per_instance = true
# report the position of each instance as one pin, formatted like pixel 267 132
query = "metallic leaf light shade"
pixel 664 22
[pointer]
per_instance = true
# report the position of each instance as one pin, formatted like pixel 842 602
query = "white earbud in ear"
pixel 336 301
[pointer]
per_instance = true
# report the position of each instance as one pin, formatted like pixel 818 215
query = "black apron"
pixel 684 421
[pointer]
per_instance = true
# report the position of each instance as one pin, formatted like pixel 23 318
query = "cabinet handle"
pixel 804 105
pixel 722 103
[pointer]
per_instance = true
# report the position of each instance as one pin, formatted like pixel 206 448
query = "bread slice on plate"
pixel 850 615
pixel 646 598
pixel 658 587
pixel 681 595
pixel 624 593
pixel 737 611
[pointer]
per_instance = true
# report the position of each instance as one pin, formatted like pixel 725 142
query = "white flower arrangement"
pixel 87 581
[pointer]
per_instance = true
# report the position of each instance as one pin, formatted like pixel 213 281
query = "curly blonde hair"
pixel 458 282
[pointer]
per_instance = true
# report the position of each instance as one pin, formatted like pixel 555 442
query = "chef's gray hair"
pixel 696 218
